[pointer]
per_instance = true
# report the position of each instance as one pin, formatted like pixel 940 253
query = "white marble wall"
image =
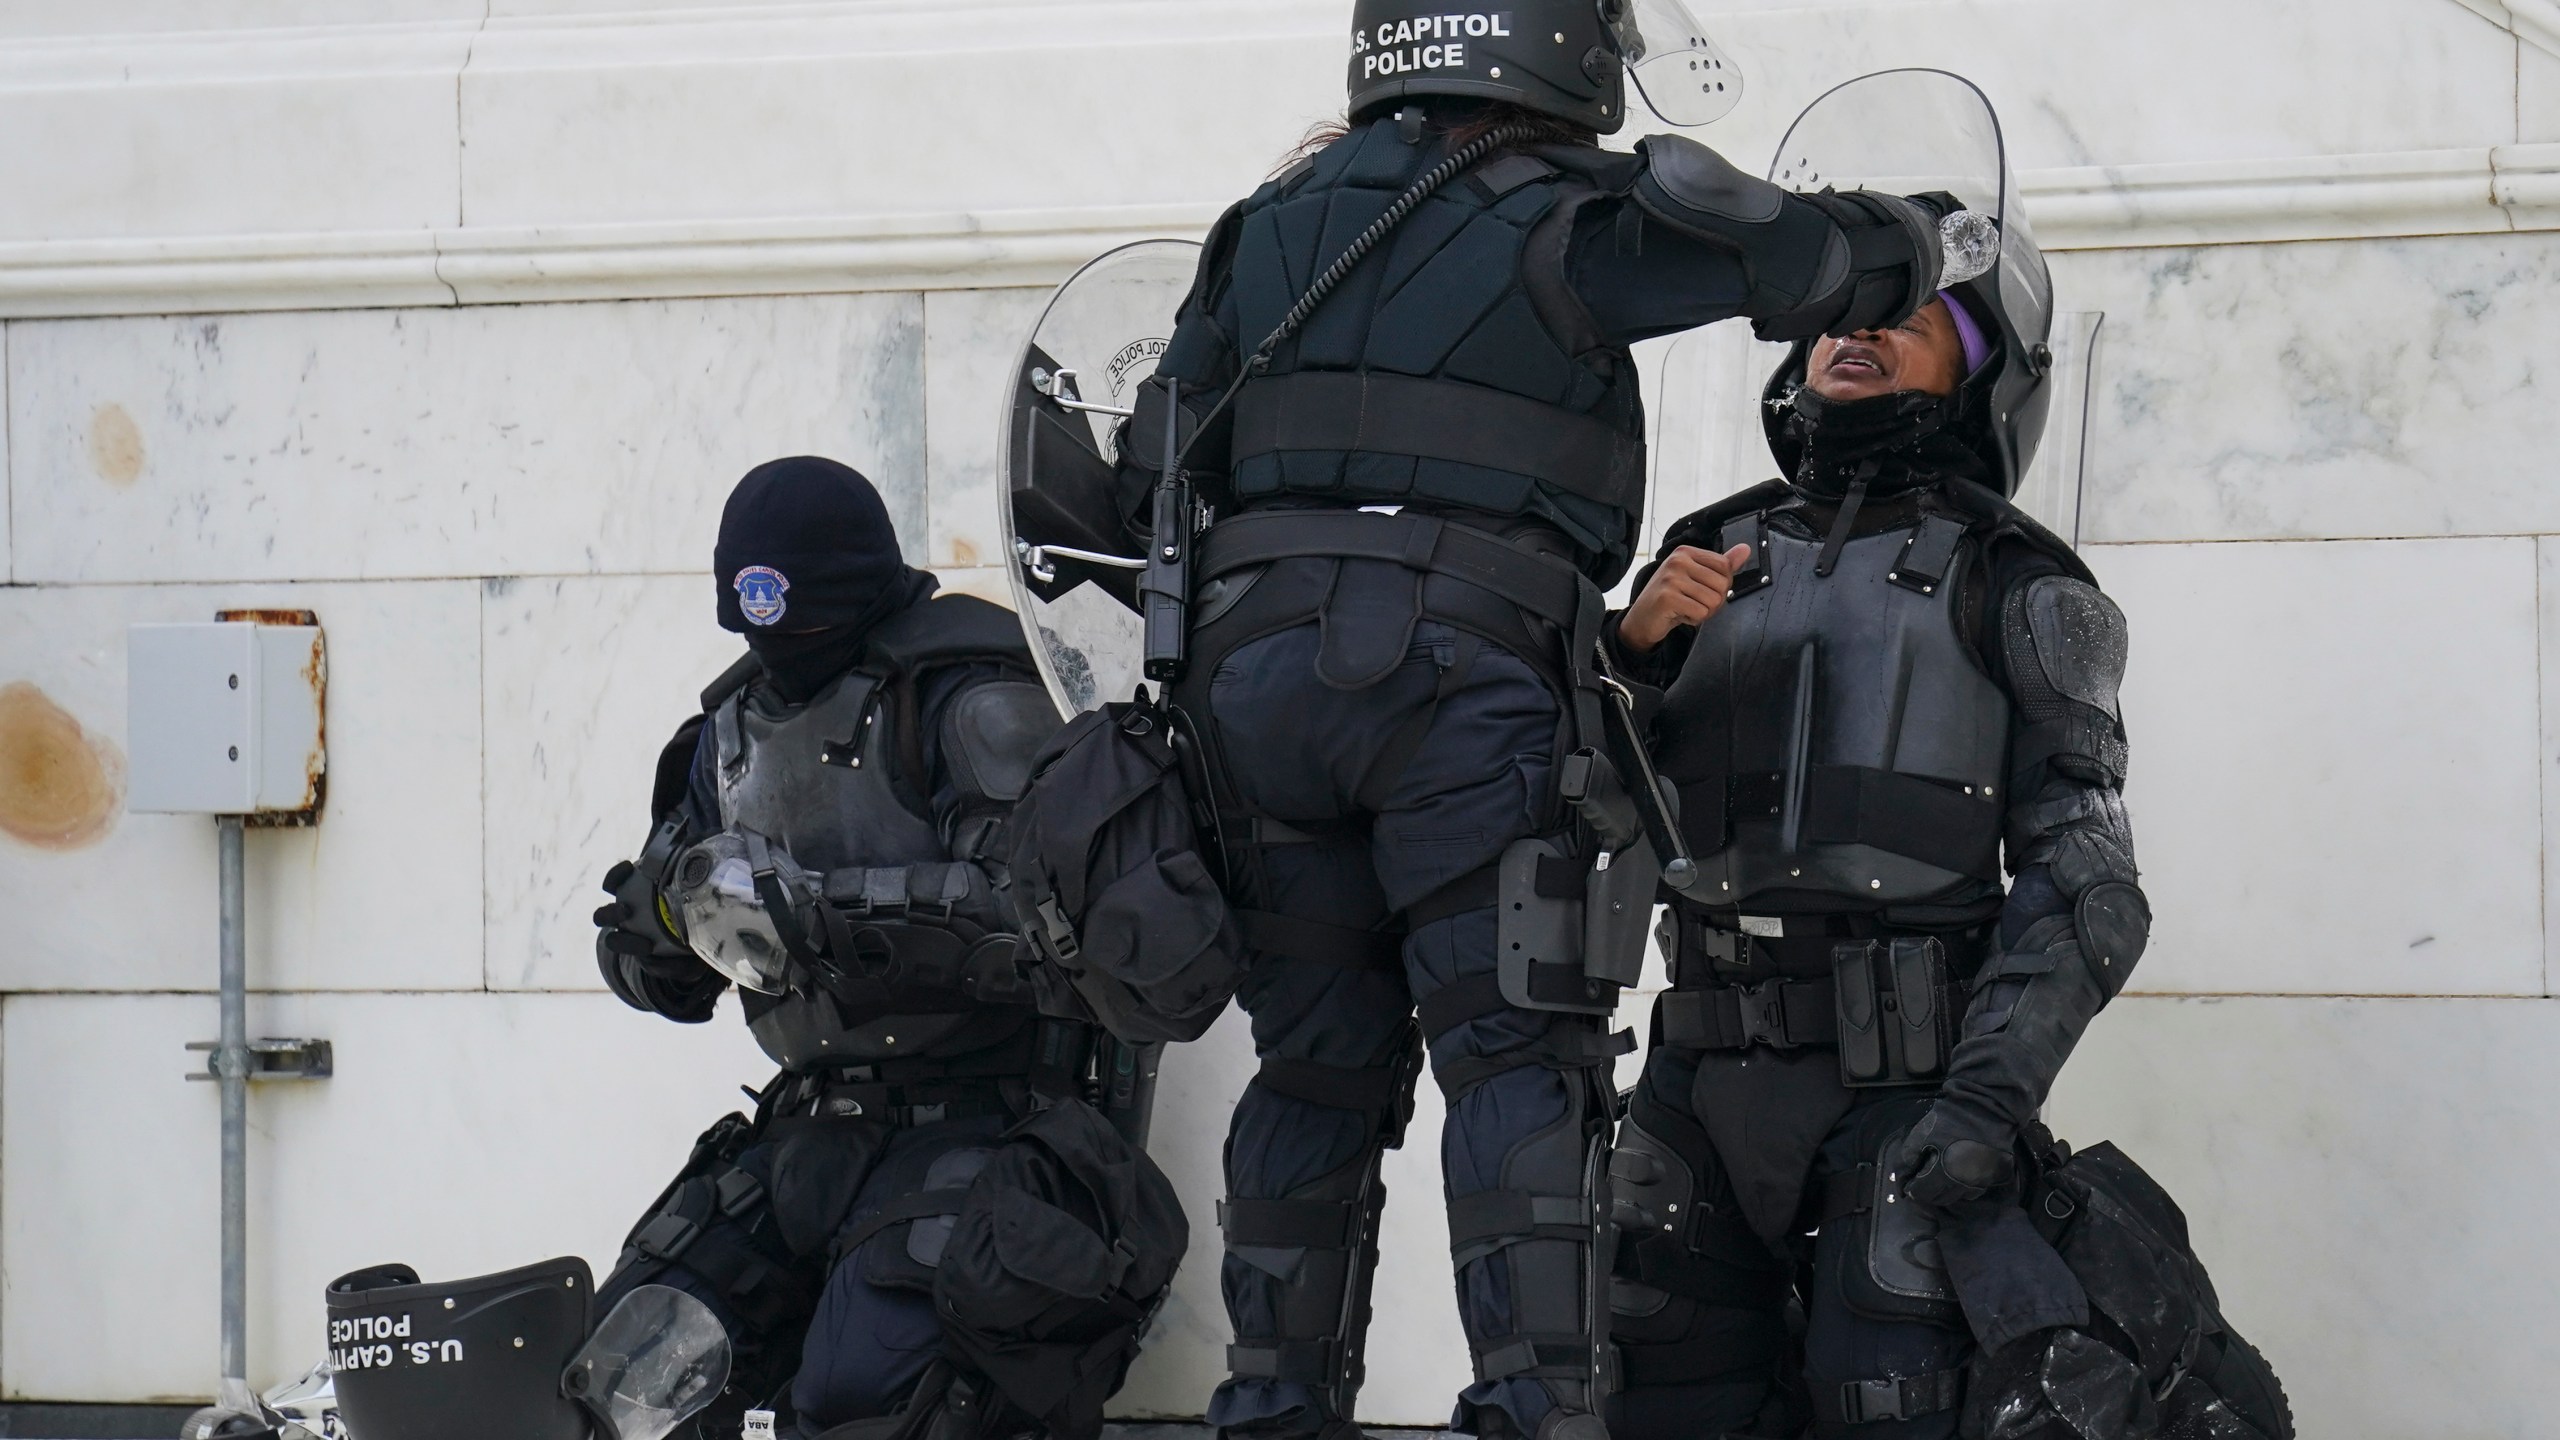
pixel 2316 481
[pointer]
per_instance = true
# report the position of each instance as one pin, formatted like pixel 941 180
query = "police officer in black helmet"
pixel 826 842
pixel 1404 390
pixel 1880 675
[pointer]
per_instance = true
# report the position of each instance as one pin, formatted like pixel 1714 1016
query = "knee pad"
pixel 1877 1250
pixel 1548 1229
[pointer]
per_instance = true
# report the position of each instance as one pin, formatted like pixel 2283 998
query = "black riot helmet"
pixel 1566 58
pixel 1914 132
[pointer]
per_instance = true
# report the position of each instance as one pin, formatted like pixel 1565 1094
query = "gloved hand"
pixel 633 921
pixel 646 965
pixel 1955 1158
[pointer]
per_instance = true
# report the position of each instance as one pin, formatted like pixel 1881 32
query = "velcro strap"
pixel 1926 555
pixel 2087 734
pixel 1548 589
pixel 1475 890
pixel 1904 815
pixel 1848 1192
pixel 1378 413
pixel 1561 1357
pixel 1516 1214
pixel 1303 1362
pixel 1451 1006
pixel 1905 1397
pixel 1316 942
pixel 1375 1088
pixel 922 1204
pixel 1574 1049
pixel 1311 1224
pixel 1781 1014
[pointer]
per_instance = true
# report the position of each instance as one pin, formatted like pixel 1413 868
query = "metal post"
pixel 231 1072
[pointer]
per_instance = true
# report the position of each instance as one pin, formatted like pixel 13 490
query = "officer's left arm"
pixel 2075 920
pixel 1692 240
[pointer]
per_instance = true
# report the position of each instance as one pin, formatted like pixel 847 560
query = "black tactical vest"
pixel 832 781
pixel 1454 366
pixel 1836 742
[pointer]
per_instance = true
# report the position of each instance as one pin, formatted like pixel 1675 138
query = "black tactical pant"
pixel 829 1338
pixel 1313 1122
pixel 1724 1333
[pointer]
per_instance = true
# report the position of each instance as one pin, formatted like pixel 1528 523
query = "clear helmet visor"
pixel 1074 568
pixel 1911 131
pixel 1681 72
pixel 655 1362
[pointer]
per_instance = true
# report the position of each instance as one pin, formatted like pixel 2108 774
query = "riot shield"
pixel 1074 539
pixel 654 1363
pixel 1912 131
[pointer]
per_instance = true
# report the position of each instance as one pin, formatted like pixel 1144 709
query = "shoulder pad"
pixel 731 681
pixel 945 629
pixel 1685 183
pixel 1999 519
pixel 991 732
pixel 2079 638
pixel 1699 528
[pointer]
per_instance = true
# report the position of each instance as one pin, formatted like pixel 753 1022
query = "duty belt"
pixel 919 1102
pixel 1781 1014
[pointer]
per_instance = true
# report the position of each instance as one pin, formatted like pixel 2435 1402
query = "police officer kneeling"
pixel 1878 672
pixel 827 840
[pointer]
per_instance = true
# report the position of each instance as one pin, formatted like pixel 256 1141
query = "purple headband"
pixel 1977 347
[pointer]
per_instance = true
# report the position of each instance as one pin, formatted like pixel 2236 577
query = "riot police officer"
pixel 1404 389
pixel 1879 676
pixel 826 839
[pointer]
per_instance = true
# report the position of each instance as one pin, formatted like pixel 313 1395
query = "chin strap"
pixel 1848 516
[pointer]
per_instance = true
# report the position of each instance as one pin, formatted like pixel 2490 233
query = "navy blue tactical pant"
pixel 1710 1345
pixel 873 1330
pixel 1296 749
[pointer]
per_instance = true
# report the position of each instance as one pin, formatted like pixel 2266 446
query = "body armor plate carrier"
pixel 1841 747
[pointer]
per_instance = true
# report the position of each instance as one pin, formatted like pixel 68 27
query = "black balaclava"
pixel 806 564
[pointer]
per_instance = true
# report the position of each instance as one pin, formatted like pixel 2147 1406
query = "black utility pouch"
pixel 1893 1010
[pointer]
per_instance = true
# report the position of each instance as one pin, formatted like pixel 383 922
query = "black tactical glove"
pixel 643 962
pixel 1956 1157
pixel 1895 257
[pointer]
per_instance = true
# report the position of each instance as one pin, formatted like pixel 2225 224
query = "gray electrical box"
pixel 225 718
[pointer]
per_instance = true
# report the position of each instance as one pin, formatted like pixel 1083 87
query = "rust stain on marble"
pixel 61 786
pixel 115 445
pixel 963 553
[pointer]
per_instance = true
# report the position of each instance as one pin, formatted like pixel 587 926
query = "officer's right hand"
pixel 1687 588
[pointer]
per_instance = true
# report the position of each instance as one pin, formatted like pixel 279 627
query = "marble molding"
pixel 506 441
pixel 2368 1182
pixel 664 169
pixel 384 894
pixel 2336 776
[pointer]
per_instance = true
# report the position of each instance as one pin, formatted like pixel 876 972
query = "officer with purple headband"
pixel 1836 1210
